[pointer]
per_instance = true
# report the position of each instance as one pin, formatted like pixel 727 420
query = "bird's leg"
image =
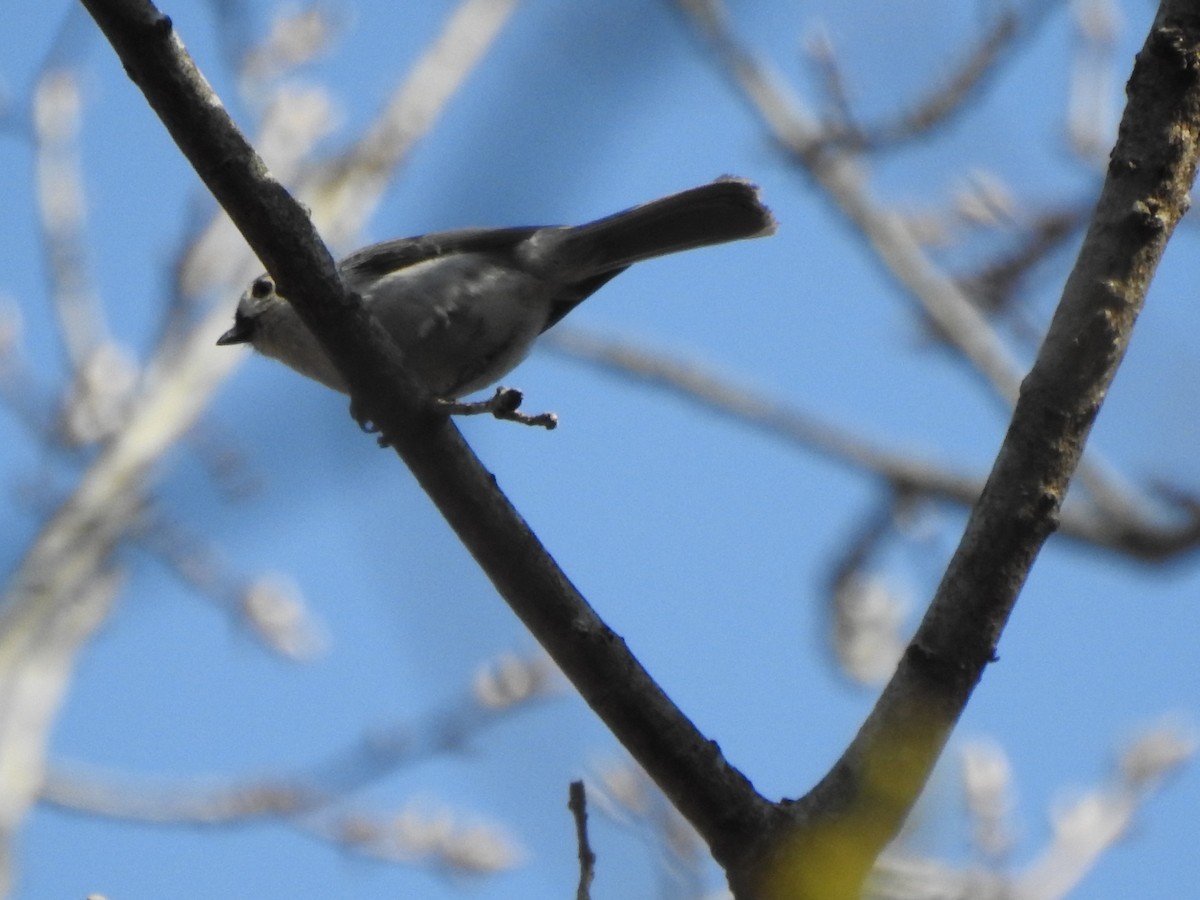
pixel 504 404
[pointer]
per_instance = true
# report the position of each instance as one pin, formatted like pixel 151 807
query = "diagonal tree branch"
pixel 718 800
pixel 858 807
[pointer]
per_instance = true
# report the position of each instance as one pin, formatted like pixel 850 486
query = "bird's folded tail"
pixel 728 209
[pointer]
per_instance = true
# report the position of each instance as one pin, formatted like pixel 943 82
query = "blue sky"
pixel 706 544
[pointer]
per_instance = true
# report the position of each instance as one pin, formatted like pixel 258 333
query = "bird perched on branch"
pixel 465 306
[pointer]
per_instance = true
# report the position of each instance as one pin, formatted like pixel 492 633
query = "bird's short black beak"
pixel 242 332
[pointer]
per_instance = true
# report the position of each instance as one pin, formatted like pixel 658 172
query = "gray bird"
pixel 465 306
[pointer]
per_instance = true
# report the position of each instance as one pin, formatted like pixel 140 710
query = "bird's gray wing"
pixel 377 260
pixel 380 259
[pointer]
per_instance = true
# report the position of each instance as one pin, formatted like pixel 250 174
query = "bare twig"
pixel 85 789
pixel 937 108
pixel 867 614
pixel 28 401
pixel 1090 114
pixel 996 284
pixel 1133 534
pixel 577 804
pixel 315 801
pixel 61 208
pixel 103 377
pixel 840 119
pixel 36 664
pixel 952 96
pixel 436 838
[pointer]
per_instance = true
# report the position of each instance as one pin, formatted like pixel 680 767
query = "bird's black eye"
pixel 263 287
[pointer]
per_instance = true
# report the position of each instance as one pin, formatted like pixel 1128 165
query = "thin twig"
pixel 995 285
pixel 952 96
pixel 577 804
pixel 61 213
pixel 86 789
pixel 936 109
pixel 1134 535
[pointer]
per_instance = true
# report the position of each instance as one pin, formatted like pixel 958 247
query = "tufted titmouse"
pixel 464 307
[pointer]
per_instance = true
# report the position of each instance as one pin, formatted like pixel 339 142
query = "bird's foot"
pixel 504 404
